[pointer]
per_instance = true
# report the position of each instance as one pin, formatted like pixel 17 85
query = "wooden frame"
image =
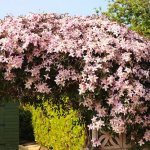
pixel 108 142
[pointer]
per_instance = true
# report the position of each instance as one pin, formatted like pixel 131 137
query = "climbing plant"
pixel 105 64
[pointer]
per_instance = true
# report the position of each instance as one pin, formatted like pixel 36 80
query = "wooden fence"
pixel 109 142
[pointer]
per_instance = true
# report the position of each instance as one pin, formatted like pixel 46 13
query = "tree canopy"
pixel 134 13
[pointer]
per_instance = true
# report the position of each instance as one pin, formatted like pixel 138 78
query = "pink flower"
pixel 29 83
pixel 96 123
pixel 9 75
pixel 82 88
pixel 126 57
pixel 35 71
pixel 42 88
pixel 118 125
pixel 119 108
pixel 115 29
pixel 95 142
pixel 92 78
pixel 141 142
pixel 100 110
pixel 15 62
pixel 91 87
pixel 147 135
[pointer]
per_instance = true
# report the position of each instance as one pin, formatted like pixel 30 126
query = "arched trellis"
pixel 105 63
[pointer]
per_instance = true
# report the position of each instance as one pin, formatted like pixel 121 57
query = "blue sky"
pixel 73 7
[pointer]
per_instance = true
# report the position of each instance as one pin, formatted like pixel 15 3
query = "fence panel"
pixel 9 126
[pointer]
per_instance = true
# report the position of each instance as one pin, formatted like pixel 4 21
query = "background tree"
pixel 134 13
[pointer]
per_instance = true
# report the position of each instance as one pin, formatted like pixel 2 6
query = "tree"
pixel 134 13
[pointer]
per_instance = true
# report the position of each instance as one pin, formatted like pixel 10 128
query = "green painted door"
pixel 9 126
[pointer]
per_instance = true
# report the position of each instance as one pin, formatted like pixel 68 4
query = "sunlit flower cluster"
pixel 109 63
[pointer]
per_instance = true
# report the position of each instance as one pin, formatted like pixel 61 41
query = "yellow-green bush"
pixel 56 127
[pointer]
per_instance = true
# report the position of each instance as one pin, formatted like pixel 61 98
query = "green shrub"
pixel 25 125
pixel 56 127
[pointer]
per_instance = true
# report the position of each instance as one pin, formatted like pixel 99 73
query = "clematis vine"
pixel 108 64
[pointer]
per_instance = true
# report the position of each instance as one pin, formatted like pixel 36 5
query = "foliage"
pixel 134 13
pixel 105 64
pixel 56 127
pixel 25 124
